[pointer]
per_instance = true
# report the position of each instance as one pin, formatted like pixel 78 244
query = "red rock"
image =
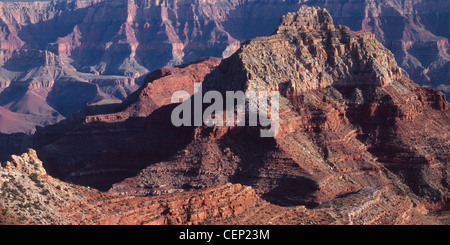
pixel 130 125
pixel 105 48
pixel 364 145
pixel 356 130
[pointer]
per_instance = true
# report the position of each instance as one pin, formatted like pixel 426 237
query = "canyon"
pixel 28 195
pixel 57 57
pixel 359 143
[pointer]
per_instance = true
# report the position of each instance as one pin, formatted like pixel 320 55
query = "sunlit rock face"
pixel 53 51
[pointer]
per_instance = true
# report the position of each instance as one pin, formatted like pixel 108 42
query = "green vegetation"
pixel 35 178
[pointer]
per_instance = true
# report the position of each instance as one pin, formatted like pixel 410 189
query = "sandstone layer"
pixel 105 144
pixel 53 51
pixel 29 196
pixel 359 143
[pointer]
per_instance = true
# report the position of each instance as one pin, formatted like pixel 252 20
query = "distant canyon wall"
pixel 57 57
pixel 132 37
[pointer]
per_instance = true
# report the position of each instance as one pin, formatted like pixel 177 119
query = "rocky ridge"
pixel 364 147
pixel 359 128
pixel 104 49
pixel 121 131
pixel 29 196
pixel 307 53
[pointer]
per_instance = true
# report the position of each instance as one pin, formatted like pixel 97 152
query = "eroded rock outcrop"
pixel 122 132
pixel 27 163
pixel 307 53
pixel 366 135
pixel 105 48
pixel 352 131
pixel 31 197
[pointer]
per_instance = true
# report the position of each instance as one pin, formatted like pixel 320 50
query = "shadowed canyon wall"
pixel 57 57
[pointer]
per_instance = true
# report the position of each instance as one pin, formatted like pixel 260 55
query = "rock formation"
pixel 318 57
pixel 412 30
pixel 27 163
pixel 121 133
pixel 53 51
pixel 359 143
pixel 29 196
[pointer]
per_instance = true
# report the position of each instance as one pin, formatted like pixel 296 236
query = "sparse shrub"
pixel 45 192
pixel 35 178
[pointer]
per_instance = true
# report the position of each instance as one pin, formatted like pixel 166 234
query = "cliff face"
pixel 320 56
pixel 29 196
pixel 363 145
pixel 102 49
pixel 363 124
pixel 412 29
pixel 58 57
pixel 112 142
pixel 132 37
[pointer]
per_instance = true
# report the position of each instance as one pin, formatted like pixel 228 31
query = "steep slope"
pixel 29 196
pixel 102 49
pixel 349 119
pixel 353 129
pixel 105 145
pixel 412 29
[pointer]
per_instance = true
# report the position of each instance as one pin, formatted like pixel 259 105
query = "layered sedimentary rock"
pixel 412 30
pixel 62 56
pixel 55 50
pixel 29 196
pixel 128 136
pixel 158 88
pixel 307 53
pixel 41 88
pixel 359 143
